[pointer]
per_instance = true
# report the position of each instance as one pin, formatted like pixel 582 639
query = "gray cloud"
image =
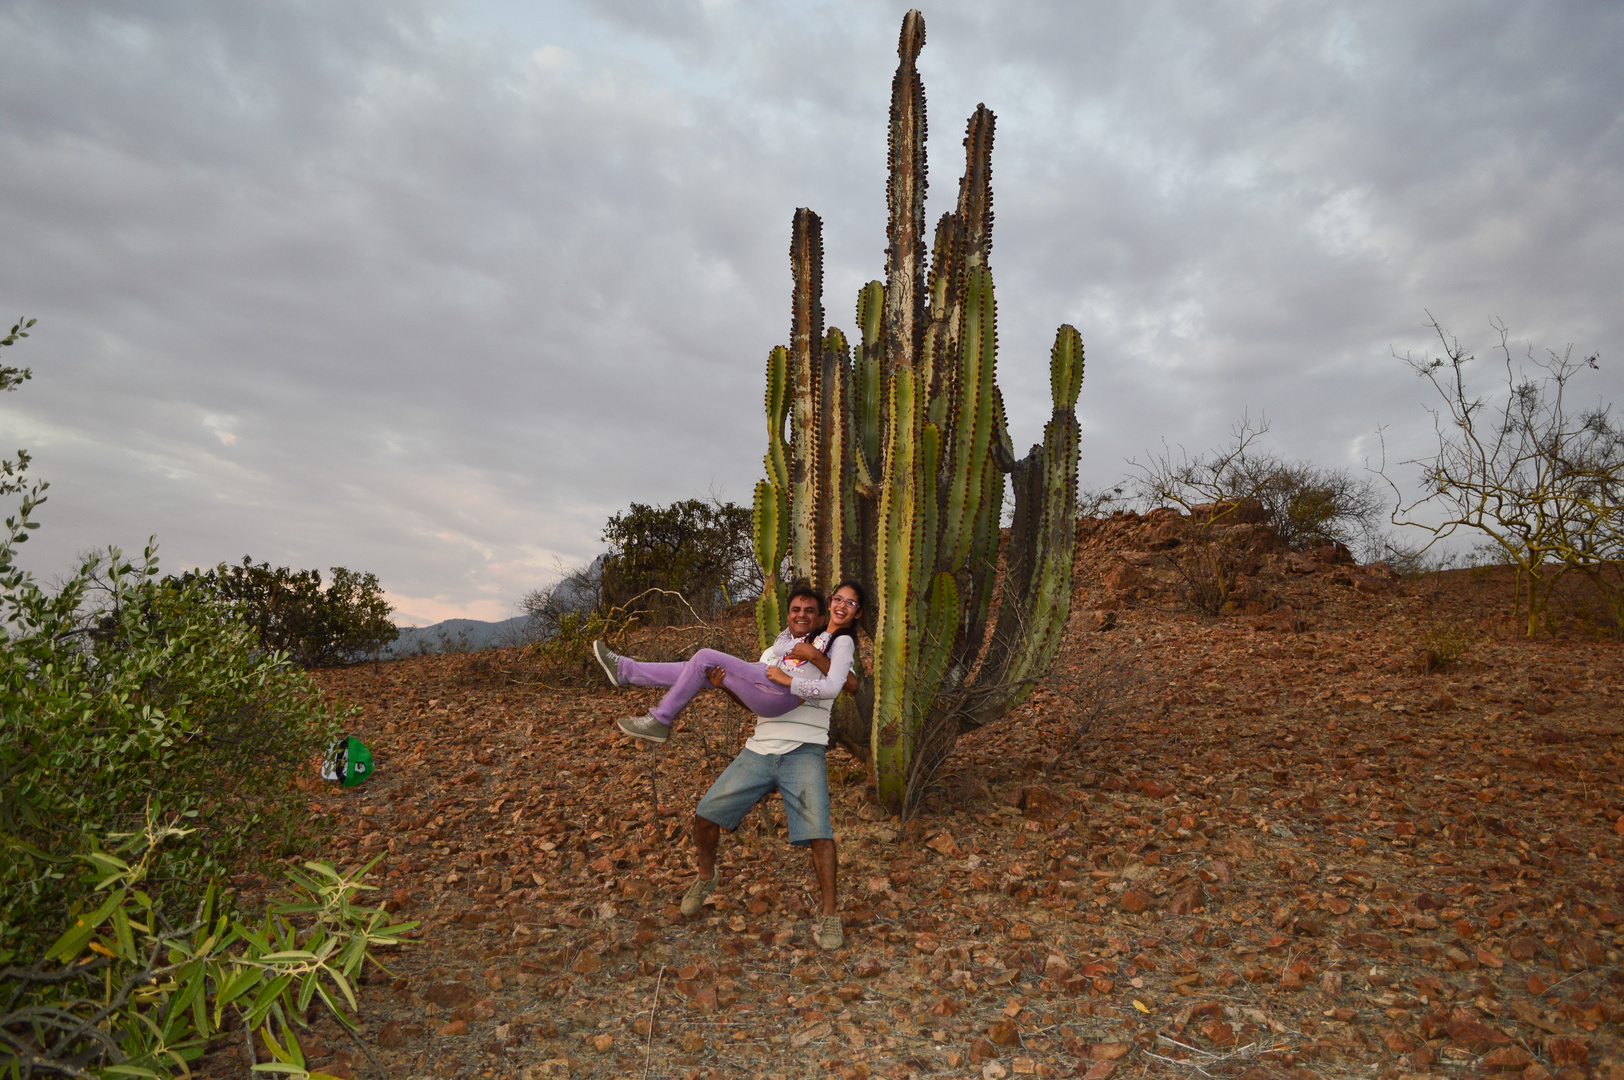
pixel 433 289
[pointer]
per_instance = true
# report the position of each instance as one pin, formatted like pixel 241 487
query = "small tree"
pixel 1544 482
pixel 315 626
pixel 576 593
pixel 701 550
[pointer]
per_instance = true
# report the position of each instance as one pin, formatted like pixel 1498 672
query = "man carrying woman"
pixel 791 690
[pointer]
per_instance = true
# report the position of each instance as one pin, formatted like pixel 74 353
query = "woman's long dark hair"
pixel 850 629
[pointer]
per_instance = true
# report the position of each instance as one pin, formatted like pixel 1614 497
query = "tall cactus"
pixel 894 467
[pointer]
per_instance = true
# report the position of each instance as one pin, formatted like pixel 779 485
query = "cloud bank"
pixel 432 289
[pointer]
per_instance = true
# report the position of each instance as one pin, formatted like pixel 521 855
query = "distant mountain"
pixel 456 635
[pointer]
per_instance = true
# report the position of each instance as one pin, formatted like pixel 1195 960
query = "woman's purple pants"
pixel 746 678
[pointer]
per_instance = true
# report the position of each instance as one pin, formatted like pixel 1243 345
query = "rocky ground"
pixel 1355 827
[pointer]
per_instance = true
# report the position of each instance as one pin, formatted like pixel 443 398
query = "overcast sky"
pixel 431 289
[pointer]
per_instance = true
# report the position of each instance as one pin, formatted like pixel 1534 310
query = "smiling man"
pixel 787 751
pixel 786 754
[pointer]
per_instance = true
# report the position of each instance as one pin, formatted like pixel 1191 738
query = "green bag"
pixel 348 761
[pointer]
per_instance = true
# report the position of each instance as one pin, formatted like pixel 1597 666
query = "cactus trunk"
pixel 895 464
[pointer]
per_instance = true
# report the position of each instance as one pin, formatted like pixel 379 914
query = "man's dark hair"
pixel 804 588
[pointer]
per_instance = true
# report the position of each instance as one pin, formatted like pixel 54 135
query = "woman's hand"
pixel 780 676
pixel 807 652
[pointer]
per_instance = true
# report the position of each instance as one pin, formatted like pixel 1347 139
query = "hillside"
pixel 1286 849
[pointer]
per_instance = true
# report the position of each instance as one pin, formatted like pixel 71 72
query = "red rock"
pixel 1036 802
pixel 448 995
pixel 1135 900
pixel 1475 1035
pixel 1188 899
pixel 945 844
pixel 1508 1057
pixel 456 1027
pixel 1003 1033
pixel 390 1036
pixel 1109 1051
pixel 1567 1050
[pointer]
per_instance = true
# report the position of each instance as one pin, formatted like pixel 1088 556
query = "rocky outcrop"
pixel 1130 558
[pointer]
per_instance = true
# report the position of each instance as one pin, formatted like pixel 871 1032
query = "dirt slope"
pixel 1290 852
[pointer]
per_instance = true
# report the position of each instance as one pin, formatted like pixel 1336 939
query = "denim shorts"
pixel 800 776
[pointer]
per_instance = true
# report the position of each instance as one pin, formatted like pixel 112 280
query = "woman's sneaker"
pixel 608 661
pixel 694 898
pixel 645 727
pixel 829 934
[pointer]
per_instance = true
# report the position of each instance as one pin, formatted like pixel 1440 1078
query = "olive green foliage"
pixel 897 459
pixel 669 563
pixel 124 696
pixel 1223 495
pixel 1443 644
pixel 348 620
pixel 127 991
pixel 1306 505
pixel 1310 506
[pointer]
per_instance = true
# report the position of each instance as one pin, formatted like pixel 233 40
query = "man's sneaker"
pixel 608 661
pixel 694 898
pixel 645 727
pixel 829 934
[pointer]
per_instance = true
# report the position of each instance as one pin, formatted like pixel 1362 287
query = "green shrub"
pixel 293 614
pixel 146 695
pixel 1443 644
pixel 673 562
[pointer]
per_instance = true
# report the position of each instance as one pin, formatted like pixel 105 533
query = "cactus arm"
pixel 770 508
pixel 978 347
pixel 940 349
pixel 868 381
pixel 975 188
pixel 834 384
pixel 849 521
pixel 1037 578
pixel 777 416
pixel 1050 587
pixel 905 201
pixel 769 514
pixel 806 340
pixel 894 567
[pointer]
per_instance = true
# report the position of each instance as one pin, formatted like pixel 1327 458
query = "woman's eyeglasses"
pixel 841 601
